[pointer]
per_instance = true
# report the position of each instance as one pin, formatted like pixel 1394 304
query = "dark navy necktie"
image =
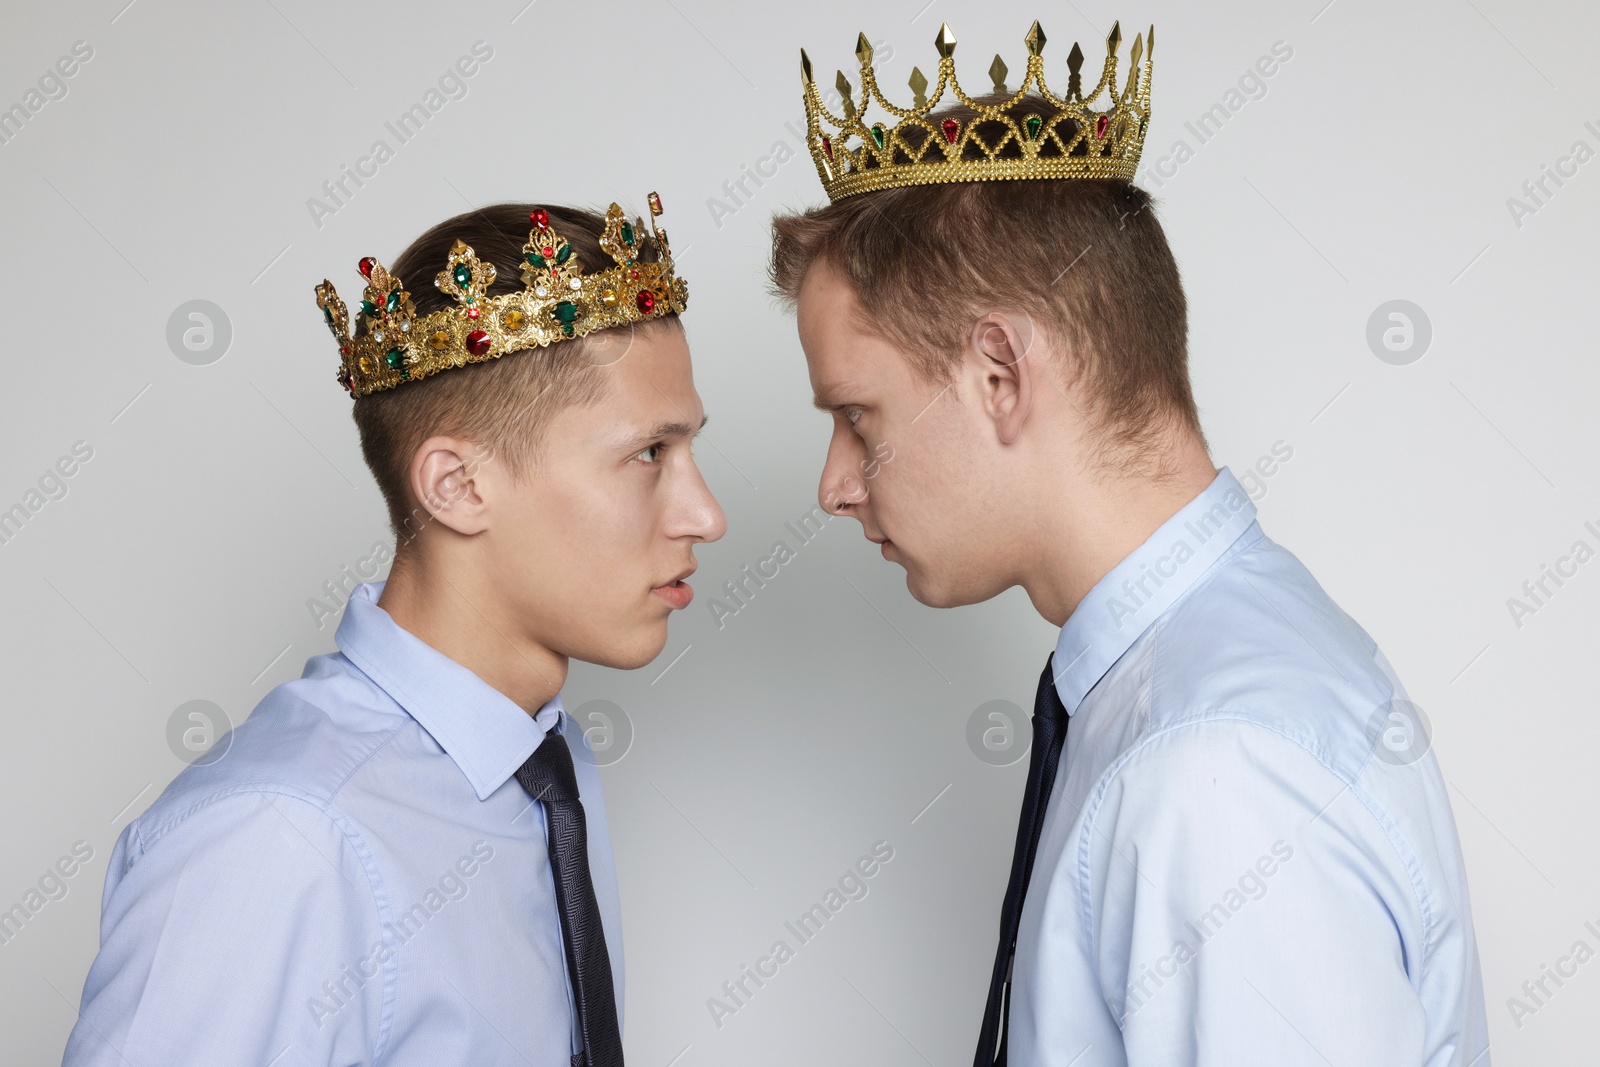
pixel 1049 734
pixel 548 777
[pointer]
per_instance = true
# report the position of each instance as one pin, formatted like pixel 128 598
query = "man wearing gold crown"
pixel 1235 847
pixel 402 856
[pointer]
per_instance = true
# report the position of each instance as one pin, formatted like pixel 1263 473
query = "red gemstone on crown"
pixel 1100 125
pixel 366 265
pixel 477 342
pixel 540 218
pixel 646 301
pixel 827 147
pixel 950 127
pixel 344 350
pixel 634 275
pixel 472 313
pixel 547 251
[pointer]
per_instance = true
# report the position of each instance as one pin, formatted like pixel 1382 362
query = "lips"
pixel 677 592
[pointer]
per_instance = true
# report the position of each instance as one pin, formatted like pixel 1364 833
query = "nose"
pixel 842 487
pixel 702 517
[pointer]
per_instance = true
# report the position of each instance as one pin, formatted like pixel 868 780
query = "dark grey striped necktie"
pixel 548 777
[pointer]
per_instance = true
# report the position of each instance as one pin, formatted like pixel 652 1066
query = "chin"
pixel 945 595
pixel 635 650
pixel 934 598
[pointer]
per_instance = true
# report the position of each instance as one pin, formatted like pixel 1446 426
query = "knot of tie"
pixel 1047 701
pixel 547 775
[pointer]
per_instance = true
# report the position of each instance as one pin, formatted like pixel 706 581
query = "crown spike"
pixel 1035 39
pixel 997 73
pixel 1114 39
pixel 1135 52
pixel 1150 42
pixel 863 49
pixel 919 85
pixel 805 67
pixel 841 83
pixel 946 41
pixel 1075 77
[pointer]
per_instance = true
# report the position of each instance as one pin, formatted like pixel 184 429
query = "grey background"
pixel 832 712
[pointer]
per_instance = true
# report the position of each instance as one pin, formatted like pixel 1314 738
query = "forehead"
pixel 646 362
pixel 649 382
pixel 842 355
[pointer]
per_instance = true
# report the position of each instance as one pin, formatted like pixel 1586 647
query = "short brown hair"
pixel 502 404
pixel 1085 255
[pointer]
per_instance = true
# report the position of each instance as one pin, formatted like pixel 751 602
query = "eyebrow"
pixel 674 428
pixel 827 399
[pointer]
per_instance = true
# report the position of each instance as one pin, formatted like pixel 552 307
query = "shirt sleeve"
pixel 1245 908
pixel 246 930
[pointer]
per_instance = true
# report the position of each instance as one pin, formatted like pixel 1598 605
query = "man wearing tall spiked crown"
pixel 401 857
pixel 1236 845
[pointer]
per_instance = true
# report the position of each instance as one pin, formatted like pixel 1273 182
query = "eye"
pixel 853 414
pixel 651 455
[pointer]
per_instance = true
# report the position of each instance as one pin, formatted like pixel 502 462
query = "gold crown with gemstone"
pixel 390 345
pixel 1030 134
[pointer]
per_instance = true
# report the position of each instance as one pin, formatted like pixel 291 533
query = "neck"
pixel 1093 524
pixel 459 612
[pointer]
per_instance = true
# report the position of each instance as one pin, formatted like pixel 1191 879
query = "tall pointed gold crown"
pixel 1032 133
pixel 390 345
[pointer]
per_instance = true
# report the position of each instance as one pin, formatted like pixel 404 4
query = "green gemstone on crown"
pixel 1033 122
pixel 462 276
pixel 566 312
pixel 368 308
pixel 393 303
pixel 327 314
pixel 535 260
pixel 877 134
pixel 395 358
pixel 627 234
pixel 564 254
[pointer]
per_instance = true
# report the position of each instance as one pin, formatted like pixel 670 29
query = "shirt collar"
pixel 1141 588
pixel 482 729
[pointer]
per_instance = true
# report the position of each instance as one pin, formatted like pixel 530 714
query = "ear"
pixel 448 478
pixel 997 352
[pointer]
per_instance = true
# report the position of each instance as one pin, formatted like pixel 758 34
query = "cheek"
pixel 926 479
pixel 576 540
pixel 604 533
pixel 899 466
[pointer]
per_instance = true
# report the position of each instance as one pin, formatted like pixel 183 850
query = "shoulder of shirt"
pixel 305 740
pixel 1258 659
pixel 1260 644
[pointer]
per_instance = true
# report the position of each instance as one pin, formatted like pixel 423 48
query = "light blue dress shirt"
pixel 360 879
pixel 1248 857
